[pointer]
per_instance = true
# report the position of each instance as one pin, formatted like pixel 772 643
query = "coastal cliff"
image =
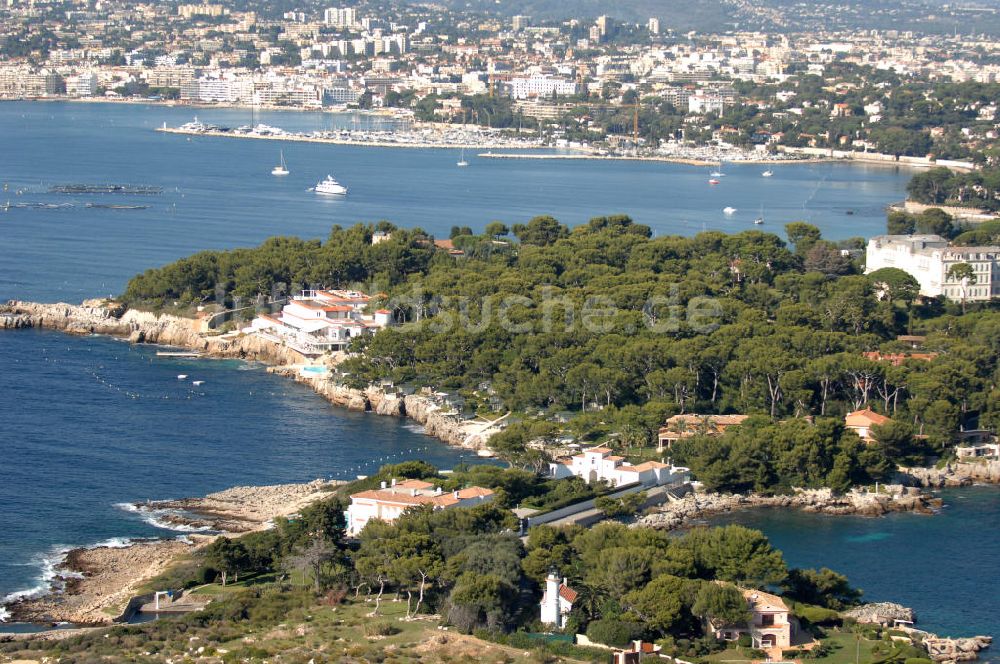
pixel 115 319
pixel 419 408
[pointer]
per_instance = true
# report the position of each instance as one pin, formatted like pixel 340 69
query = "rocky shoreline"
pixel 943 649
pixel 117 320
pixel 240 509
pixel 955 474
pixel 92 585
pixel 697 506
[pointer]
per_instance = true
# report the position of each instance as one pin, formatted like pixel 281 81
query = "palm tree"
pixel 590 600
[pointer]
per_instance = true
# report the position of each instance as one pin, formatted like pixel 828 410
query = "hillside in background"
pixel 928 16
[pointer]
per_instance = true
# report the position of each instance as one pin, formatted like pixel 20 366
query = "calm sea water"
pixel 218 192
pixel 91 423
pixel 943 566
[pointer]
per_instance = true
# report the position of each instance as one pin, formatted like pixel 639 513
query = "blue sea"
pixel 940 565
pixel 91 424
pixel 218 192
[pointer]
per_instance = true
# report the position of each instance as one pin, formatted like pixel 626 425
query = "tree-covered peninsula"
pixel 601 332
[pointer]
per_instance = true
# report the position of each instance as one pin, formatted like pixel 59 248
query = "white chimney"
pixel 455 494
pixel 383 485
pixel 394 481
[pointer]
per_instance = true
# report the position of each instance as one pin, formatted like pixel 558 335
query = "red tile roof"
pixel 865 418
pixel 567 593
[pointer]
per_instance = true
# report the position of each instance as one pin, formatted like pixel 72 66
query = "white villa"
pixel 599 463
pixel 390 501
pixel 557 601
pixel 928 258
pixel 320 321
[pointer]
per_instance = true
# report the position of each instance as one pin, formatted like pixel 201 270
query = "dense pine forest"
pixel 614 330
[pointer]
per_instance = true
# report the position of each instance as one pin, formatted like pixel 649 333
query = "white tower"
pixel 550 602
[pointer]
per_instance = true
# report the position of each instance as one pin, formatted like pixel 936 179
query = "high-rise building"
pixel 520 22
pixel 340 17
pixel 606 25
pixel 653 26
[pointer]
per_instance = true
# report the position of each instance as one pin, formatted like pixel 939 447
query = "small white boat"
pixel 462 162
pixel 181 376
pixel 330 187
pixel 729 210
pixel 759 220
pixel 281 168
pixel 197 382
pixel 766 174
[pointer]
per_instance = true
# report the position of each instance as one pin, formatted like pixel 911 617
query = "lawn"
pixel 232 587
pixel 846 648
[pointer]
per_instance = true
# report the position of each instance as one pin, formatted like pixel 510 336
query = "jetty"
pixel 178 353
pixel 105 189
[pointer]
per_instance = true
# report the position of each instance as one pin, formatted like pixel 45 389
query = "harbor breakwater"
pixel 116 319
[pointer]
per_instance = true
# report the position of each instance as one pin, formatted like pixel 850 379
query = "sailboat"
pixel 462 162
pixel 766 174
pixel 281 168
pixel 760 220
pixel 718 172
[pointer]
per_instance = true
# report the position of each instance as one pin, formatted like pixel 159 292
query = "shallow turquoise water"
pixel 943 566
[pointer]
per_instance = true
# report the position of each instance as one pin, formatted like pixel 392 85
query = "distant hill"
pixel 928 16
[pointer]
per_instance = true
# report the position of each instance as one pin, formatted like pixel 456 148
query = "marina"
pixel 105 189
pixel 430 137
pixel 220 194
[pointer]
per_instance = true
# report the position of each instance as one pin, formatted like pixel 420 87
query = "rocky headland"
pixel 241 509
pixel 696 506
pixel 92 585
pixel 942 649
pixel 950 651
pixel 116 319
